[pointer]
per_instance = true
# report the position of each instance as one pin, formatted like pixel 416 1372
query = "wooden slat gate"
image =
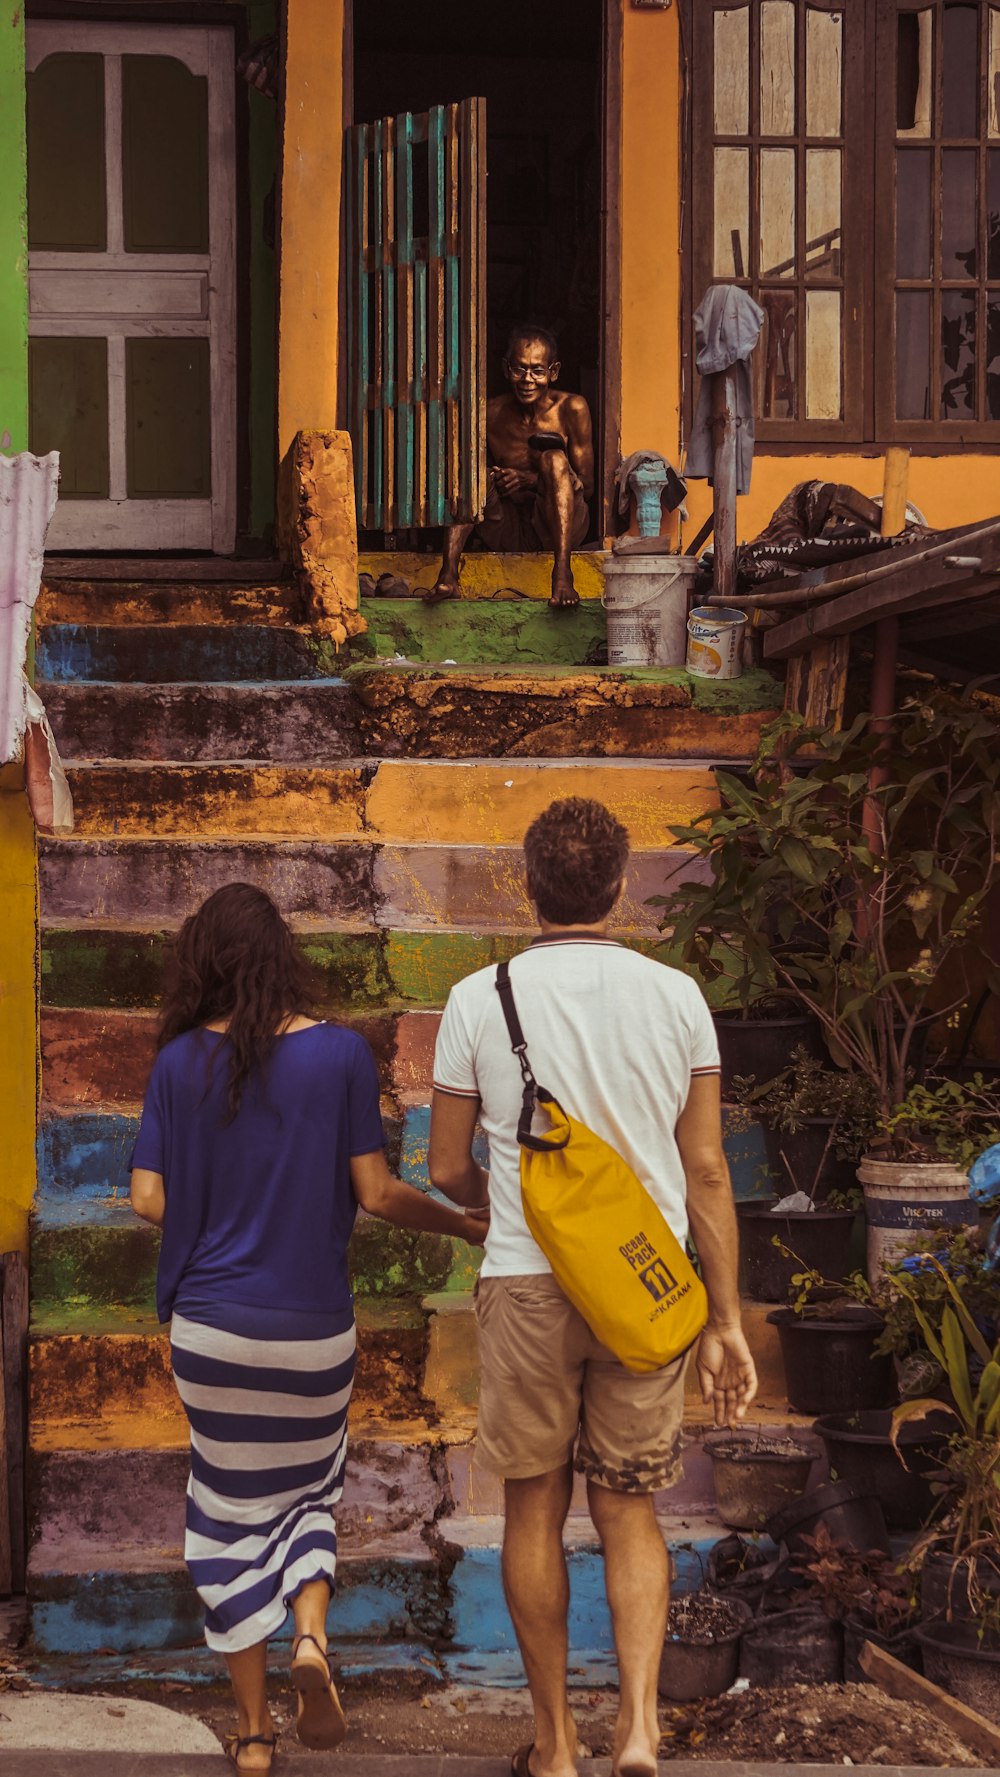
pixel 417 316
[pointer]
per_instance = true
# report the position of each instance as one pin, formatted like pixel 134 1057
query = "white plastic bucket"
pixel 906 1201
pixel 646 599
pixel 715 642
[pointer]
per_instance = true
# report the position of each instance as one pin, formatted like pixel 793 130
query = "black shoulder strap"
pixel 532 1091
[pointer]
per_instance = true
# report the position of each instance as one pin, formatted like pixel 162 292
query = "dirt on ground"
pixel 821 1724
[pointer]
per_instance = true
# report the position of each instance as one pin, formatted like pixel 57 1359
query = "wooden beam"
pixel 918 585
pixel 907 1686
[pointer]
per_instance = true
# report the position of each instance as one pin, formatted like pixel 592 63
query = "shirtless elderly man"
pixel 541 449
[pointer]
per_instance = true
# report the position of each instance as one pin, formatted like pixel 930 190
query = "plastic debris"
pixel 797 1204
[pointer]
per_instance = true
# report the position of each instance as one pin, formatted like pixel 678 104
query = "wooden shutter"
pixel 417 316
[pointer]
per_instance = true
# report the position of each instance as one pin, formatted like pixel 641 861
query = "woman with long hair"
pixel 261 1134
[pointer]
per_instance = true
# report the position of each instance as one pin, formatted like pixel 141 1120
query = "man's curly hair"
pixel 575 853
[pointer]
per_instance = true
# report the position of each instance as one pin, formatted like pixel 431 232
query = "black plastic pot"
pixel 810 1161
pixel 829 1360
pixel 859 1449
pixel 903 1647
pixel 951 1585
pixel 756 1472
pixel 851 1514
pixel 737 1568
pixel 799 1646
pixel 689 1670
pixel 819 1239
pixel 964 1663
pixel 763 1046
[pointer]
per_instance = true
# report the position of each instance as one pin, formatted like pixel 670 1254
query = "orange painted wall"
pixel 311 158
pixel 952 489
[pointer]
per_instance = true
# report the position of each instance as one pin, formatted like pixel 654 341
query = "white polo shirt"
pixel 614 1036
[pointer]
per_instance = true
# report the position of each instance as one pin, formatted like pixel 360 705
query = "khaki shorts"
pixel 510 527
pixel 545 1382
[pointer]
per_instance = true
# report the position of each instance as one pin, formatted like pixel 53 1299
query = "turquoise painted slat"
pixel 415 321
pixel 437 510
pixel 405 318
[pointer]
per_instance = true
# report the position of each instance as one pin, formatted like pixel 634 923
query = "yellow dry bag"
pixel 611 1249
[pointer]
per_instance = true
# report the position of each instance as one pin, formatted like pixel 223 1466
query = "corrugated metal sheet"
pixel 28 490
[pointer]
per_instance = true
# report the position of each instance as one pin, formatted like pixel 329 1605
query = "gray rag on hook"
pixel 726 328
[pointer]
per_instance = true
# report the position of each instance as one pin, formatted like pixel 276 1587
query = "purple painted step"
pixel 300 721
pixel 137 879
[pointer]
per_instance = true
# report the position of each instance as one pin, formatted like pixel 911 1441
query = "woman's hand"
pixel 477 1225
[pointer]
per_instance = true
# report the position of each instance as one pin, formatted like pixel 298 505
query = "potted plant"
pixel 829 1336
pixel 913 1283
pixel 702 1647
pixel 756 1470
pixel 934 1134
pixel 866 1591
pixel 855 888
pixel 959 1557
pixel 818 1121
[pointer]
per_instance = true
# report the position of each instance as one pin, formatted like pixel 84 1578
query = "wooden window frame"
pixel 869 76
pixel 968 431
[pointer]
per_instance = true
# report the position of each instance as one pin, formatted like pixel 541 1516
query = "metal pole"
pixel 724 481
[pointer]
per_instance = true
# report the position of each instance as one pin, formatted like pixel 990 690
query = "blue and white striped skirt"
pixel 268 1417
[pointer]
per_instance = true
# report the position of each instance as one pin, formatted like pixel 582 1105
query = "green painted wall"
pixel 13 233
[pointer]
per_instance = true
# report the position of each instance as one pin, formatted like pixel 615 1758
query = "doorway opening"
pixel 539 68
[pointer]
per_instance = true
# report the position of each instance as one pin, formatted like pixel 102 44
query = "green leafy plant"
pixel 955 1121
pixel 971 1366
pixel 811 1294
pixel 916 1282
pixel 852 882
pixel 804 1089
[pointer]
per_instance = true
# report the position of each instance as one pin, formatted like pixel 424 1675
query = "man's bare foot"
pixel 564 594
pixel 445 587
pixel 636 1755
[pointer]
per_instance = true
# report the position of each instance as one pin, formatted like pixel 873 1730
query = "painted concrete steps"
pixel 144 602
pixel 484 574
pixel 297 721
pixel 171 653
pixel 396 800
pixel 424 712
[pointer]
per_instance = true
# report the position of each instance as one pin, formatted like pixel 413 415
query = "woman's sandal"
pixel 320 1724
pixel 233 1745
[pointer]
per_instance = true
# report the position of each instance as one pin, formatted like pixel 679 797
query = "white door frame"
pixel 130 295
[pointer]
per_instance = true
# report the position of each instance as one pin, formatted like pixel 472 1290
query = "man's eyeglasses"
pixel 523 373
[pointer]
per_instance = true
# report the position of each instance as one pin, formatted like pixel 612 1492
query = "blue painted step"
pixel 162 654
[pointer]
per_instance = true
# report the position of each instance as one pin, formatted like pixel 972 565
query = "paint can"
pixel 646 600
pixel 715 642
pixel 904 1201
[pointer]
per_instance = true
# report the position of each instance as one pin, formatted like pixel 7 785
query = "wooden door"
pixel 131 233
pixel 416 209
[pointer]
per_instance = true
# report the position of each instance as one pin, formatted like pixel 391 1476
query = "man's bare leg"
pixel 536 1586
pixel 555 481
pixel 446 584
pixel 637 1577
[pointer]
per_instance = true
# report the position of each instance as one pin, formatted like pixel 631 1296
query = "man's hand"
pixel 515 481
pixel 726 1372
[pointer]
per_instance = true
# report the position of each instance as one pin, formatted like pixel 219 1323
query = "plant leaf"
pixel 957 1365
pixel 914 1410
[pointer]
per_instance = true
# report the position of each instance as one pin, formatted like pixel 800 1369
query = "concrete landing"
pixel 160 1764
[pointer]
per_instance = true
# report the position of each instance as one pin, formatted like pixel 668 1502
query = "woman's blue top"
pixel 259 1210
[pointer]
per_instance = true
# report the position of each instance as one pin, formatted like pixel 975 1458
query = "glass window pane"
pixel 913 213
pixel 913 358
pixel 993 357
pixel 732 71
pixel 993 213
pixel 777 354
pixel 777 68
pixel 958 354
pixel 958 213
pixel 914 72
pixel 68 403
pixel 824 75
pixel 732 211
pixel 960 85
pixel 824 381
pixel 823 212
pixel 993 74
pixel 167 419
pixel 777 212
pixel 67 209
pixel 164 156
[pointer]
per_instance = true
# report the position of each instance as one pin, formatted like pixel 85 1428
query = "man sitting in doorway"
pixel 541 450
